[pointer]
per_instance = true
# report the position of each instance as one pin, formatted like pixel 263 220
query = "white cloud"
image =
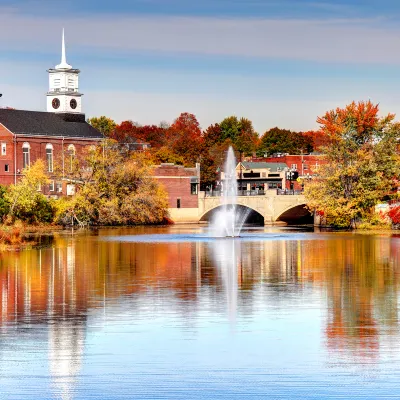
pixel 357 41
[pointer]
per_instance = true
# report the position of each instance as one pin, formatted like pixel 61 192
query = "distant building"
pixel 60 133
pixel 182 186
pixel 258 177
pixel 306 165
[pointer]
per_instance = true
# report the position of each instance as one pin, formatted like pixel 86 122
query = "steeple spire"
pixel 63 64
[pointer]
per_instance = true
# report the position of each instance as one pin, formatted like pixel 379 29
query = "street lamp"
pixel 291 176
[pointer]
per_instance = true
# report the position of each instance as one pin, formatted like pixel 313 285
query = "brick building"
pixel 307 165
pixel 26 136
pixel 59 134
pixel 182 186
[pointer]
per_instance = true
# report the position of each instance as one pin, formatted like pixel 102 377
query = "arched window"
pixel 26 155
pixel 49 157
pixel 71 154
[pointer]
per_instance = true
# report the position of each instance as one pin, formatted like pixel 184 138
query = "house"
pixel 60 133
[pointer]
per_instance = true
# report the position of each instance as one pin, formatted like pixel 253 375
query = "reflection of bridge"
pixel 267 208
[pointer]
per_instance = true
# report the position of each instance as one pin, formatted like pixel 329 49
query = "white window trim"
pixel 50 160
pixel 27 146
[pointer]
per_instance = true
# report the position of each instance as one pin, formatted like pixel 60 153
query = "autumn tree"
pixel 213 154
pixel 103 124
pixel 132 132
pixel 318 139
pixel 361 167
pixel 117 190
pixel 185 138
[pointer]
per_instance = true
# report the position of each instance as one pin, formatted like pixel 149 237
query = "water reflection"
pixel 352 280
pixel 226 257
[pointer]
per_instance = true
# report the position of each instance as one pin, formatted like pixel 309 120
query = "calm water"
pixel 133 313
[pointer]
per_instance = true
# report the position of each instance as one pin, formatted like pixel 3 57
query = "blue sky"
pixel 279 62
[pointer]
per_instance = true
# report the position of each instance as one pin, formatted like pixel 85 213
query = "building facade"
pixel 258 177
pixel 182 186
pixel 56 136
pixel 305 165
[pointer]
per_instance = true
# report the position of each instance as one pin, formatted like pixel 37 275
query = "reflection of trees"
pixel 361 279
pixel 358 274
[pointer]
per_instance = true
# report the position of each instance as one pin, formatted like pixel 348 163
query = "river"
pixel 169 313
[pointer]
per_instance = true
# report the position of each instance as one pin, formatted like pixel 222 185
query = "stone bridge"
pixel 268 208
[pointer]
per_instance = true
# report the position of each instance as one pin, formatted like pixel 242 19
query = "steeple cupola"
pixel 63 95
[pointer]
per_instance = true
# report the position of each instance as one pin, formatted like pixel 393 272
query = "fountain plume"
pixel 228 220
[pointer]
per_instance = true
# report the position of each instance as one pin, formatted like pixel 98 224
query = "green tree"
pixel 25 200
pixel 362 164
pixel 278 140
pixel 241 133
pixel 4 203
pixel 103 124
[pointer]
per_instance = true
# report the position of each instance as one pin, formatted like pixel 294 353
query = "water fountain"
pixel 228 220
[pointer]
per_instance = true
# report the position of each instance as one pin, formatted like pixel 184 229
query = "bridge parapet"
pixel 271 205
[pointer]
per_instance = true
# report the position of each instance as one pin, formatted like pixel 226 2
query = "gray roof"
pixel 264 165
pixel 38 123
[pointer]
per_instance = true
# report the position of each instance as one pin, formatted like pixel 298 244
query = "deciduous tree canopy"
pixel 362 163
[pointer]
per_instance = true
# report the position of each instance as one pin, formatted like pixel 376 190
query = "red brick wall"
pixel 37 150
pixel 176 180
pixel 306 164
pixel 6 137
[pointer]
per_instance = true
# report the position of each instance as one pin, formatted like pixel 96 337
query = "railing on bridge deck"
pixel 217 193
pixel 286 192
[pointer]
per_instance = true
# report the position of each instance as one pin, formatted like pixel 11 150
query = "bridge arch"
pixel 296 214
pixel 253 216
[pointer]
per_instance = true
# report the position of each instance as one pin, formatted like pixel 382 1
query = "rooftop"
pixel 264 165
pixel 39 123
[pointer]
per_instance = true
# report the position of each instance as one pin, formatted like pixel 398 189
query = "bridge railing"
pixel 279 192
pixel 218 193
pixel 288 192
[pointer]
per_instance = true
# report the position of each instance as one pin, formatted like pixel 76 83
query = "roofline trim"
pixel 58 137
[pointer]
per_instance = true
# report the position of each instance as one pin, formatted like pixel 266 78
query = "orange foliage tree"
pixel 185 138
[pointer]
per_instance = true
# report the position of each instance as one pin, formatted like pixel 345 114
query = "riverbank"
pixel 19 236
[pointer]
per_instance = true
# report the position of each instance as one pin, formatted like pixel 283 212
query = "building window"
pixel 193 188
pixel 51 186
pixel 294 166
pixel 178 203
pixel 3 149
pixel 316 166
pixel 71 155
pixel 305 167
pixel 49 157
pixel 26 158
pixel 6 168
pixel 59 187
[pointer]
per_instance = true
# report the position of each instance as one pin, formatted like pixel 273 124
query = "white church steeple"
pixel 63 95
pixel 63 64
